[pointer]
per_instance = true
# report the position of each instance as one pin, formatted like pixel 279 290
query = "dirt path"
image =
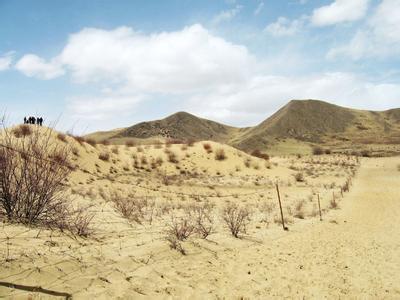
pixel 353 254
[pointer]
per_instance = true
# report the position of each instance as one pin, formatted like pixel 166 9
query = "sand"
pixel 351 254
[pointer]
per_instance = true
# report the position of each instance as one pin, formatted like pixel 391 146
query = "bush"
pixel 104 156
pixel 79 139
pixel 172 158
pixel 328 151
pixel 22 131
pixel 133 208
pixel 32 174
pixel 207 147
pixel 91 142
pixel 220 154
pixel 105 142
pixel 62 137
pixel 259 154
pixel 201 214
pixel 365 153
pixel 129 144
pixel 236 218
pixel 317 150
pixel 299 177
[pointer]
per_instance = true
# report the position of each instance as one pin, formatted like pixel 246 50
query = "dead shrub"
pixel 220 154
pixel 129 144
pixel 236 218
pixel 247 162
pixel 180 228
pixel 299 177
pixel 115 150
pixel 104 156
pixel 91 142
pixel 32 176
pixel 207 147
pixel 259 154
pixel 172 157
pixel 79 139
pixel 299 210
pixel 22 131
pixel 316 150
pixel 62 137
pixel 105 142
pixel 134 208
pixel 201 215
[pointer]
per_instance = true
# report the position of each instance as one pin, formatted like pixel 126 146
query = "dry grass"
pixel 22 131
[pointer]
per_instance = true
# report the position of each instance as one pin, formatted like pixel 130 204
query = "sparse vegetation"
pixel 220 154
pixel 207 147
pixel 104 156
pixel 259 154
pixel 236 218
pixel 316 150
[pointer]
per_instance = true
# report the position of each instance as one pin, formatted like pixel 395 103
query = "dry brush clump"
pixel 22 131
pixel 104 156
pixel 202 217
pixel 134 208
pixel 177 230
pixel 259 154
pixel 236 218
pixel 220 154
pixel 33 170
pixel 207 147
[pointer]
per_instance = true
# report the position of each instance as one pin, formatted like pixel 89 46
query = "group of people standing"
pixel 33 120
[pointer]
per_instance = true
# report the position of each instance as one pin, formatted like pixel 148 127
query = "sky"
pixel 98 65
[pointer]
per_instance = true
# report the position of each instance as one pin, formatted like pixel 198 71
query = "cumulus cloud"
pixel 102 107
pixel 340 11
pixel 285 27
pixel 264 94
pixel 174 62
pixel 33 66
pixel 380 37
pixel 6 60
pixel 227 15
pixel 208 74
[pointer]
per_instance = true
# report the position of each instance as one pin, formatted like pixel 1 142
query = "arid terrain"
pixel 202 220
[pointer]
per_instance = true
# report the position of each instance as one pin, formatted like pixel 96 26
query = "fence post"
pixel 280 207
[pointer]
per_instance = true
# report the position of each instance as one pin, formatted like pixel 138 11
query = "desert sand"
pixel 352 253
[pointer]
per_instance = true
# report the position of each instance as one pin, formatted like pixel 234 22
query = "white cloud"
pixel 285 27
pixel 104 107
pixel 168 62
pixel 259 8
pixel 263 95
pixel 6 60
pixel 227 15
pixel 380 37
pixel 340 11
pixel 33 66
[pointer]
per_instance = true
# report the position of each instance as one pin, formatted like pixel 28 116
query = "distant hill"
pixel 305 121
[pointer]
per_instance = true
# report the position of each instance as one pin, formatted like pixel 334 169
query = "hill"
pixel 300 123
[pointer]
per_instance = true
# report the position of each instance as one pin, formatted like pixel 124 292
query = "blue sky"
pixel 95 65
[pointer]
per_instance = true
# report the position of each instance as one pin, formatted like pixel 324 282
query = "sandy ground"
pixel 352 253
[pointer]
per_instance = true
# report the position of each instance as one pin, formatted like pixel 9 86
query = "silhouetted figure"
pixel 40 121
pixel 25 120
pixel 33 120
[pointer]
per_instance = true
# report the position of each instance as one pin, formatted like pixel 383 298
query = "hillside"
pixel 300 123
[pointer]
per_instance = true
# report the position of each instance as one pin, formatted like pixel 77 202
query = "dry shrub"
pixel 91 142
pixel 32 175
pixel 365 153
pixel 220 154
pixel 105 142
pixel 75 151
pixel 184 147
pixel 115 150
pixel 62 137
pixel 207 147
pixel 134 208
pixel 173 141
pixel 190 142
pixel 236 218
pixel 299 209
pixel 247 162
pixel 259 154
pixel 316 150
pixel 104 156
pixel 79 139
pixel 139 149
pixel 178 229
pixel 22 131
pixel 172 157
pixel 129 143
pixel 328 151
pixel 201 215
pixel 299 177
pixel 333 204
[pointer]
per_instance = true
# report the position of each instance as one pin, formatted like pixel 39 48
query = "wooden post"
pixel 280 207
pixel 319 207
